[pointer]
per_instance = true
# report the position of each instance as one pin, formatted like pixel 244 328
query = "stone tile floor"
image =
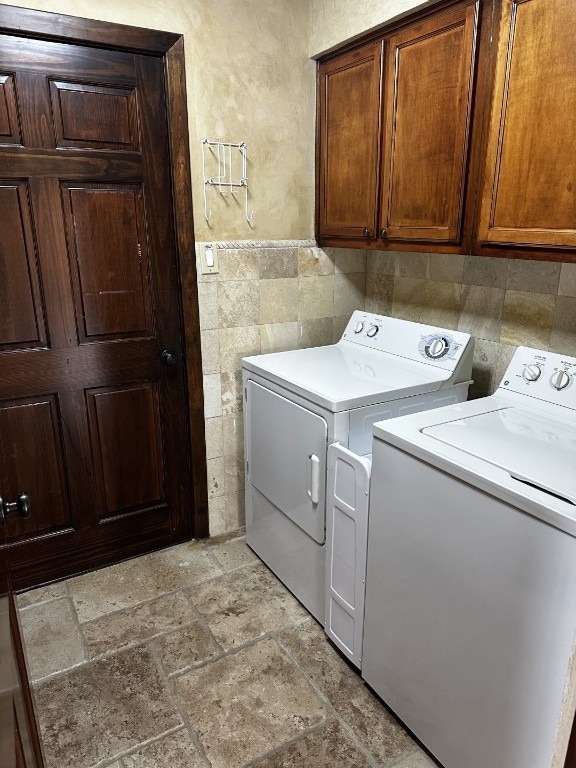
pixel 197 656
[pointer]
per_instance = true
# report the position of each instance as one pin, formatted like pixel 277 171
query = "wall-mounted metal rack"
pixel 230 163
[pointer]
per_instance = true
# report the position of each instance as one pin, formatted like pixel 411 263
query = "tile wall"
pixel 272 296
pixel 503 303
pixel 267 297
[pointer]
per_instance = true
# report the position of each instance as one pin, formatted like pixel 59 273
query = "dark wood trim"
pixel 33 736
pixel 72 29
pixel 170 46
pixel 571 753
pixel 184 227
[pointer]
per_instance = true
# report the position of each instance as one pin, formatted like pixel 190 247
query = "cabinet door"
pixel 349 123
pixel 429 78
pixel 529 195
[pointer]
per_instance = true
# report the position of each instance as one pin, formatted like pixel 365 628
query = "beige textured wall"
pixel 249 79
pixel 334 21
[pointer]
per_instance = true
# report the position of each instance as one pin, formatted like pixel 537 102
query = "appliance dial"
pixel 437 348
pixel 359 327
pixel 531 372
pixel 560 380
pixel 372 331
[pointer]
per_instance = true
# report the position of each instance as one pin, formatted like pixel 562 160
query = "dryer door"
pixel 286 454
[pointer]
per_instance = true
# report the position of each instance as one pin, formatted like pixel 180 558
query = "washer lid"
pixel 340 377
pixel 531 447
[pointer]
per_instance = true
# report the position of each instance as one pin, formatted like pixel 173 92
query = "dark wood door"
pixel 349 143
pixel 529 195
pixel 93 422
pixel 428 85
pixel 19 742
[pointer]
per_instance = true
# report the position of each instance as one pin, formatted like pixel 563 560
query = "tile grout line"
pixel 175 699
pixel 343 722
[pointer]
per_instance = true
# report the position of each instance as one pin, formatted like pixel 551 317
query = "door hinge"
pixel 246 394
pixel 139 249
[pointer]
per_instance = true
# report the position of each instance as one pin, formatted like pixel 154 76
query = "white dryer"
pixel 470 613
pixel 298 402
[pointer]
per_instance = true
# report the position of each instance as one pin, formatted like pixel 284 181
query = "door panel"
pixel 32 460
pixel 106 236
pixel 21 319
pixel 9 130
pixel 430 70
pixel 94 424
pixel 95 116
pixel 125 436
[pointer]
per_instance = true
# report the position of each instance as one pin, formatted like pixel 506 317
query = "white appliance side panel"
pixel 293 556
pixel 362 419
pixel 286 447
pixel 470 616
pixel 346 539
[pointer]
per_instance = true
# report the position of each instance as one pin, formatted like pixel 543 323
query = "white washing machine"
pixel 470 614
pixel 298 402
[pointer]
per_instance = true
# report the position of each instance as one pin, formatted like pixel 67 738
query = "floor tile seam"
pixel 227 572
pixel 203 622
pixel 39 681
pixel 398 760
pixel 26 608
pixel 361 747
pixel 76 620
pixel 143 640
pixel 214 559
pixel 239 533
pixel 109 654
pixel 336 715
pixel 180 709
pixel 279 748
pixel 271 634
pixel 146 601
pixel 117 758
pixel 317 690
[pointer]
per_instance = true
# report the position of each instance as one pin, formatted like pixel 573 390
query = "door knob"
pixel 20 507
pixel 365 232
pixel 168 358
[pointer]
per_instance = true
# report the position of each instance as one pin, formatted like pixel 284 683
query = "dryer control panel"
pixel 549 376
pixel 414 341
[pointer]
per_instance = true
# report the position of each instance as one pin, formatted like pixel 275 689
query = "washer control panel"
pixel 546 375
pixel 415 341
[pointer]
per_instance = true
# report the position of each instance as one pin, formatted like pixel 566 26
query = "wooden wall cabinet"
pixel 470 141
pixel 349 100
pixel 529 193
pixel 428 99
pixel 393 149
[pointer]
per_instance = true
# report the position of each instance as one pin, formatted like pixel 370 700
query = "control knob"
pixel 372 331
pixel 437 348
pixel 560 380
pixel 359 327
pixel 531 372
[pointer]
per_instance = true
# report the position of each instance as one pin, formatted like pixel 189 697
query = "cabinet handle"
pixel 366 232
pixel 383 234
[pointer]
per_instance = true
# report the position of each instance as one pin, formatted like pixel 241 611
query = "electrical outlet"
pixel 209 260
